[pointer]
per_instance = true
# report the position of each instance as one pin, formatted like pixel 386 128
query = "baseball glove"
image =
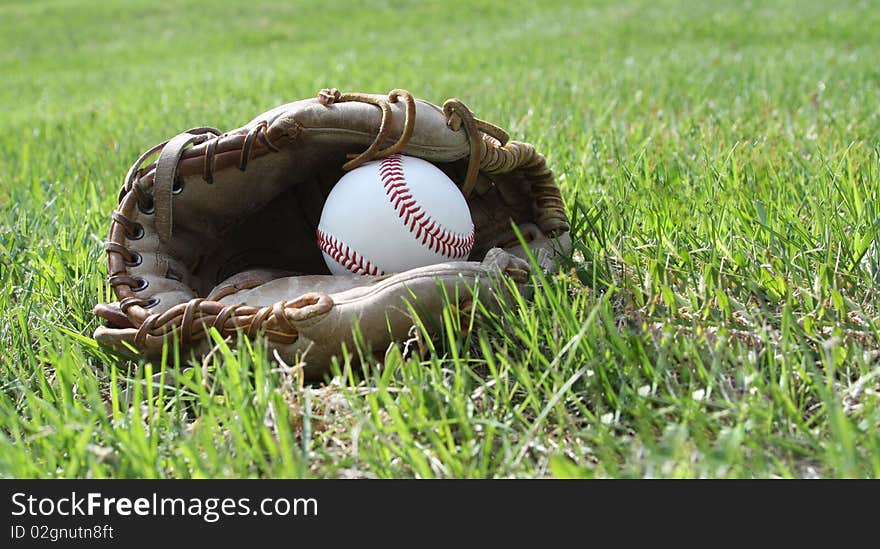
pixel 220 230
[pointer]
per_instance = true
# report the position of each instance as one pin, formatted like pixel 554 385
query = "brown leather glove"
pixel 219 231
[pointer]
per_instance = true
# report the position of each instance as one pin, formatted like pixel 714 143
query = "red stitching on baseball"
pixel 345 256
pixel 437 238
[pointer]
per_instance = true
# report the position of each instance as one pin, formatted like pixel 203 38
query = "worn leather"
pixel 235 248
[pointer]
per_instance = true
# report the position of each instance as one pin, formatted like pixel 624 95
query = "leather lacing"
pixel 329 96
pixel 133 231
pixel 490 152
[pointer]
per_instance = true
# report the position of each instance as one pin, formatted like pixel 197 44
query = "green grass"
pixel 718 318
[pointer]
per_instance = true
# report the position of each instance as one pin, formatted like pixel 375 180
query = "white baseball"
pixel 392 215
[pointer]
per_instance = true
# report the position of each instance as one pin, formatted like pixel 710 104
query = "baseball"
pixel 392 215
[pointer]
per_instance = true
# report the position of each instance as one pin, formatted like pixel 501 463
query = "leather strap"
pixel 166 174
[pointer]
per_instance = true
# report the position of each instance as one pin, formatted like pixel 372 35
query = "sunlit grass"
pixel 718 316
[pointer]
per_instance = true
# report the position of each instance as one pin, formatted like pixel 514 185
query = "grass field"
pixel 719 316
